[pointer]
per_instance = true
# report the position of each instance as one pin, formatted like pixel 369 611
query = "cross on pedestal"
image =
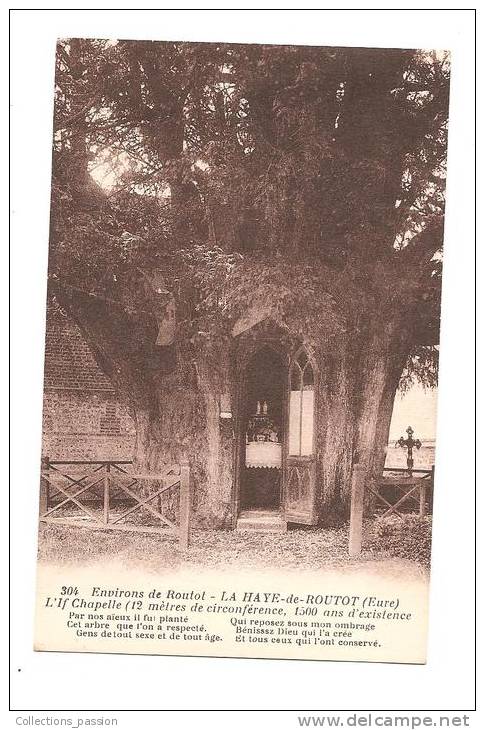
pixel 409 444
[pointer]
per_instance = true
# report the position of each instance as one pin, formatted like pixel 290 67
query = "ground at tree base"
pixel 398 548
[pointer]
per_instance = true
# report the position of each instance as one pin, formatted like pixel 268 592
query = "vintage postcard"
pixel 242 346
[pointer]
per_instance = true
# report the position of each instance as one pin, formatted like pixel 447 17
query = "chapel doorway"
pixel 263 436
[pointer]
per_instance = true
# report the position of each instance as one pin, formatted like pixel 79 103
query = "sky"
pixel 417 408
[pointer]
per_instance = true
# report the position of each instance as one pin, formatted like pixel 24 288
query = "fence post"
pixel 44 486
pixel 422 499
pixel 431 491
pixel 106 485
pixel 356 510
pixel 185 505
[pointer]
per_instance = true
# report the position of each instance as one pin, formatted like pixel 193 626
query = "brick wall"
pixel 82 417
pixel 87 426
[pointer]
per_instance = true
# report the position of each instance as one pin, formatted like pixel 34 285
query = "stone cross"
pixel 409 444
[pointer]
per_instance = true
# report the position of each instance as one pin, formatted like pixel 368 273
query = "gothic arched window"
pixel 302 397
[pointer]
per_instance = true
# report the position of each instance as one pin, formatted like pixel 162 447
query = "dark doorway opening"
pixel 263 430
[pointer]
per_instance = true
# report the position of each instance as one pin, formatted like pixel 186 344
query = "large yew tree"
pixel 219 181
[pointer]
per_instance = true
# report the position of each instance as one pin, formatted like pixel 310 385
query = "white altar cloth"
pixel 266 454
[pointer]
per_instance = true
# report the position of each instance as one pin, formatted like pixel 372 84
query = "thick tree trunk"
pixel 357 388
pixel 177 410
pixel 382 367
pixel 214 380
pixel 173 394
pixel 394 372
pixel 335 424
pixel 183 425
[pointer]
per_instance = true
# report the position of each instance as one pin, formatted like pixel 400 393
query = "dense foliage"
pixel 409 538
pixel 309 178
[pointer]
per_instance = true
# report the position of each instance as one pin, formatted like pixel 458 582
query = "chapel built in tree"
pixel 249 238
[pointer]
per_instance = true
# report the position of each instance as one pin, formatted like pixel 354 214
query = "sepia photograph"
pixel 242 453
pixel 242 332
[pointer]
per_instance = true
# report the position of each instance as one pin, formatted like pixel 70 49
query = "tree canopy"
pixel 308 177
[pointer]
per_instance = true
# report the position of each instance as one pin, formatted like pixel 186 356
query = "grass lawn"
pixel 401 548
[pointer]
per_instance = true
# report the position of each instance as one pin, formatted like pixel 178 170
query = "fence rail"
pixel 110 487
pixel 409 488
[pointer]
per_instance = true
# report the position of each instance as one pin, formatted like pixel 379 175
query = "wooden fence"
pixel 117 497
pixel 414 490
